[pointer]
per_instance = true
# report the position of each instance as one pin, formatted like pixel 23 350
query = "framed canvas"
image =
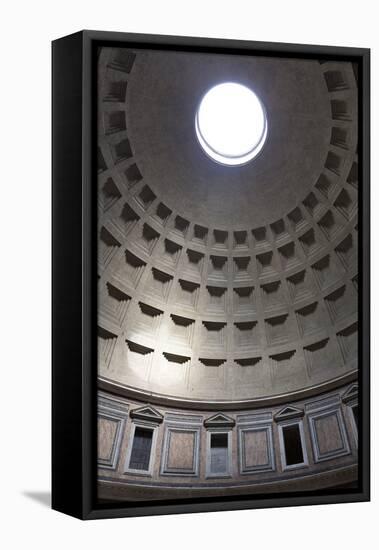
pixel 210 275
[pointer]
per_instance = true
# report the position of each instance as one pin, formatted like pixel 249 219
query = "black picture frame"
pixel 74 440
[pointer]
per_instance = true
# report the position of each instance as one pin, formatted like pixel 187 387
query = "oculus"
pixel 231 124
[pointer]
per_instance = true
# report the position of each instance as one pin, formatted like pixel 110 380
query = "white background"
pixel 27 29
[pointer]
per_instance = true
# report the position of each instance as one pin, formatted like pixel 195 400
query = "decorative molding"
pixel 107 401
pixel 322 416
pixel 265 466
pixel 170 432
pixel 131 392
pixel 325 403
pixel 323 479
pixel 113 411
pixel 147 414
pixel 254 418
pixel 288 413
pixel 350 395
pixel 219 420
pixel 181 418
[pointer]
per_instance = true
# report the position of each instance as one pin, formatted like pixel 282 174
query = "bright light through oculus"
pixel 231 124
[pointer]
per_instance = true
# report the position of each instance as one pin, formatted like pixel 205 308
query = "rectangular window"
pixel 219 453
pixel 292 445
pixel 140 456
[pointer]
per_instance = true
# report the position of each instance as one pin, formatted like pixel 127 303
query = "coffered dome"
pixel 232 285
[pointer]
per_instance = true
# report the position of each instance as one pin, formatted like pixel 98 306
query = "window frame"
pixel 283 457
pixel 208 463
pixel 144 425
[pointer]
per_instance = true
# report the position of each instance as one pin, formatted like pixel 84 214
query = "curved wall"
pixel 255 458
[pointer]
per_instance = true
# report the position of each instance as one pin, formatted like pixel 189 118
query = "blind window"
pixel 140 456
pixel 219 453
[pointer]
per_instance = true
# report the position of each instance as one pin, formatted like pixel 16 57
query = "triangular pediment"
pixel 148 413
pixel 219 420
pixel 350 394
pixel 288 412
